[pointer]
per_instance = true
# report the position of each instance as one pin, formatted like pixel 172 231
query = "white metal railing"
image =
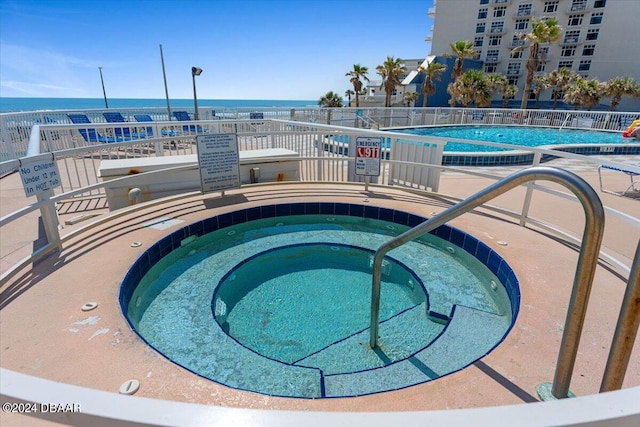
pixel 321 164
pixel 15 128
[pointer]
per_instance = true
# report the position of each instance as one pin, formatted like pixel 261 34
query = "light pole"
pixel 106 104
pixel 195 71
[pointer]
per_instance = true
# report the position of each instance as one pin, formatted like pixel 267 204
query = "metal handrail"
pixel 585 271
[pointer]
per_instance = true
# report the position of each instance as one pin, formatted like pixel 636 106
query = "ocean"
pixel 8 105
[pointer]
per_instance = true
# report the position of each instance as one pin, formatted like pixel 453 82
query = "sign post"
pixel 368 151
pixel 219 162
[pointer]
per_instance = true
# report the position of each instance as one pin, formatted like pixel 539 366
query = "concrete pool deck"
pixel 45 333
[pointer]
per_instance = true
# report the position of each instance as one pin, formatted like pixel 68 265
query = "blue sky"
pixel 248 49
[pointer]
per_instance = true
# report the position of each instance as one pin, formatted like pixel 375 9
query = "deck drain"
pixel 502 243
pixel 136 244
pixel 129 387
pixel 89 306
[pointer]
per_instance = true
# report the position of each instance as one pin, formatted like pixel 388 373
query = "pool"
pixel 527 136
pixel 276 300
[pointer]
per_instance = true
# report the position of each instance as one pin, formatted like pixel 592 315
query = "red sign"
pixel 369 152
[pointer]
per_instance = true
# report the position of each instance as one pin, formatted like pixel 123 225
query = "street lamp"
pixel 106 104
pixel 195 71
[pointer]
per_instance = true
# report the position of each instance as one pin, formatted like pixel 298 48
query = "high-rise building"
pixel 600 38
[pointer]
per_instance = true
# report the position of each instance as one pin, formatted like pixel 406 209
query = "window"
pixel 584 65
pixel 512 80
pixel 524 10
pixel 550 6
pixel 540 68
pixel 499 11
pixel 592 34
pixel 569 50
pixel 588 49
pixel 599 3
pixel 543 54
pixel 497 27
pixel 492 55
pixel 515 42
pixel 596 18
pixel 575 20
pixel 565 64
pixel 495 40
pixel 480 27
pixel 522 24
pixel 477 42
pixel 516 54
pixel 578 5
pixel 490 68
pixel 482 13
pixel 571 36
pixel 484 1
pixel 513 69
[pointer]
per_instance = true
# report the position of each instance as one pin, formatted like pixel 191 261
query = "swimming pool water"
pixel 300 328
pixel 518 135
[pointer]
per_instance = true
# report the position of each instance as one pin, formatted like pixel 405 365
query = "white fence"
pixel 15 128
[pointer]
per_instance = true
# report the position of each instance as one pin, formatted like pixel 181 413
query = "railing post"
pixel 49 217
pixel 626 331
pixel 527 198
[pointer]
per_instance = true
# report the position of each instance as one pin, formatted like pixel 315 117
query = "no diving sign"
pixel 368 155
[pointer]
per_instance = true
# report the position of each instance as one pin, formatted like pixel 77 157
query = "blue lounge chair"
pixel 145 118
pixel 123 133
pixel 183 116
pixel 89 134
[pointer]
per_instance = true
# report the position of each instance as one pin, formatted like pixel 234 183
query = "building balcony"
pixel 492 60
pixel 500 2
pixel 578 8
pixel 496 30
pixel 513 72
pixel 428 39
pixel 432 12
pixel 516 43
pixel 523 14
pixel 570 40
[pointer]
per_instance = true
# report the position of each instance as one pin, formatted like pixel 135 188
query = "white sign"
pixel 39 175
pixel 219 162
pixel 368 155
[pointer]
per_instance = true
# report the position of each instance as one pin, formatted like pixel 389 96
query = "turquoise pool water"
pixel 518 135
pixel 281 305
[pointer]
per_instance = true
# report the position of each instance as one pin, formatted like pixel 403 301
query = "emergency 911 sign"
pixel 368 155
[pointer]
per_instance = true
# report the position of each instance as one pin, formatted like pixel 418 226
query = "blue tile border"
pixel 487 256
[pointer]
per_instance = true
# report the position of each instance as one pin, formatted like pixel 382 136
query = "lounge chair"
pixel 123 132
pixel 183 116
pixel 145 118
pixel 89 134
pixel 634 184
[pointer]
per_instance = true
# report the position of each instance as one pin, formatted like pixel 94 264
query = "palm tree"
pixel 557 81
pixel 432 73
pixel 508 92
pixel 390 70
pixel 461 49
pixel 472 86
pixel 348 93
pixel 410 97
pixel 331 100
pixel 538 84
pixel 585 92
pixel 547 31
pixel 358 72
pixel 620 86
pixel 496 81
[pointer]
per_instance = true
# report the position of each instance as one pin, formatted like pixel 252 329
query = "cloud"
pixel 27 71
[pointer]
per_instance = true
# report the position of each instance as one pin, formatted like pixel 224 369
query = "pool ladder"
pixel 629 318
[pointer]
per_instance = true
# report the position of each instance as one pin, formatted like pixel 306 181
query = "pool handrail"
pixel 583 279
